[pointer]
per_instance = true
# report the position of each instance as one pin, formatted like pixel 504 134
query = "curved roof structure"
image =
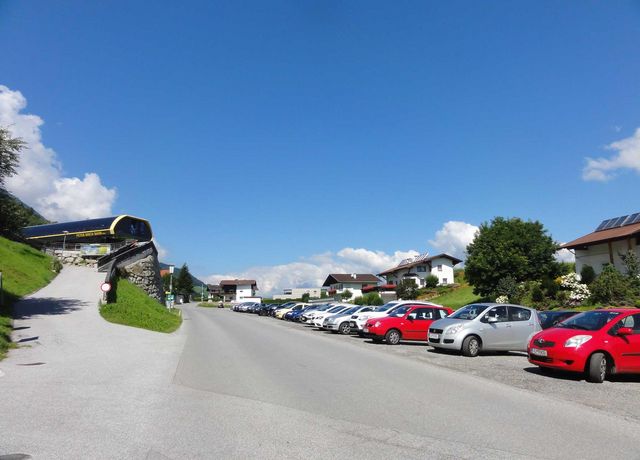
pixel 104 229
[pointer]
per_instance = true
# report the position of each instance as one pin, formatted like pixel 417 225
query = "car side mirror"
pixel 492 319
pixel 625 331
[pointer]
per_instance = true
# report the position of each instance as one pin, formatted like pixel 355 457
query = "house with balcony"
pixel 338 283
pixel 607 243
pixel 238 290
pixel 418 268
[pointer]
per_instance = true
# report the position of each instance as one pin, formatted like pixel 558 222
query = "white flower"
pixel 502 299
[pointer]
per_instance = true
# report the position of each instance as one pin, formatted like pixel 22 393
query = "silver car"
pixel 485 327
pixel 341 322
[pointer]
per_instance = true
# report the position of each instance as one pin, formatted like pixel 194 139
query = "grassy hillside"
pixel 454 296
pixel 133 307
pixel 24 270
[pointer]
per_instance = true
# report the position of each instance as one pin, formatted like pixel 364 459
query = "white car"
pixel 319 318
pixel 341 322
pixel 358 320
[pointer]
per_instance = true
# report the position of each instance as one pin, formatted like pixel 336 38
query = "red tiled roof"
pixel 237 282
pixel 604 236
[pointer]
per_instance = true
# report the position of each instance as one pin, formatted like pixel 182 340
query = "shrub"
pixel 587 274
pixel 507 287
pixel 536 294
pixel 305 297
pixel 431 281
pixel 550 287
pixel 407 290
pixel 346 295
pixel 610 287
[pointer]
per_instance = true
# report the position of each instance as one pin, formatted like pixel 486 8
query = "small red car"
pixel 598 343
pixel 407 322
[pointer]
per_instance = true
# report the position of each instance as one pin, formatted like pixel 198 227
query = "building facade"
pixel 297 293
pixel 339 283
pixel 611 239
pixel 418 268
pixel 238 290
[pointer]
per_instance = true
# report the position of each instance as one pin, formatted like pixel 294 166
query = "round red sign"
pixel 106 287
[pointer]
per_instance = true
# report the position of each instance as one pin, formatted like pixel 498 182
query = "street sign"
pixel 171 267
pixel 170 297
pixel 105 287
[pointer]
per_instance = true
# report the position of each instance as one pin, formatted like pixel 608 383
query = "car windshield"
pixel 385 307
pixel 336 309
pixel 399 312
pixel 589 321
pixel 470 312
pixel 351 310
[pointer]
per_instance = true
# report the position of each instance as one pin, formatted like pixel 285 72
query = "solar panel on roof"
pixel 619 221
pixel 602 225
pixel 636 219
pixel 610 224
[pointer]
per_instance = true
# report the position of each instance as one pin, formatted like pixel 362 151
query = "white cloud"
pixel 564 255
pixel 627 157
pixel 39 181
pixel 454 237
pixel 312 271
pixel 162 251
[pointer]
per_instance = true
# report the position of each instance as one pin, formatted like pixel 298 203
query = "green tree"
pixel 346 295
pixel 509 247
pixel 10 147
pixel 305 297
pixel 407 289
pixel 184 282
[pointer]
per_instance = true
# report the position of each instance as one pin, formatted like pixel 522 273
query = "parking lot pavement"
pixel 619 396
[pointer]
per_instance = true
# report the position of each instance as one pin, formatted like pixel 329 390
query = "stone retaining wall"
pixel 145 273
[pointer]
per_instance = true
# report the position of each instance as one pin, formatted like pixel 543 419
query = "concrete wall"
pixel 296 293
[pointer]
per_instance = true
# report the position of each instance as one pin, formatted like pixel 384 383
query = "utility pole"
pixel 202 299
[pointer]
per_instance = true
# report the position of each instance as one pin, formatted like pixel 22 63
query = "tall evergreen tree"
pixel 184 283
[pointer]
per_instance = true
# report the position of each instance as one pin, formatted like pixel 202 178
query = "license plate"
pixel 366 329
pixel 538 352
pixel 434 336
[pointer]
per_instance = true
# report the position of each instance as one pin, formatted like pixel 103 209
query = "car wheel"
pixel 392 337
pixel 597 368
pixel 471 346
pixel 345 328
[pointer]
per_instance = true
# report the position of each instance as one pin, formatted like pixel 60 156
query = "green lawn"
pixel 133 307
pixel 457 298
pixel 24 270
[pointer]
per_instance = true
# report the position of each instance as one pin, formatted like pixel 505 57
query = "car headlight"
pixel 577 340
pixel 454 329
pixel 378 323
pixel 363 318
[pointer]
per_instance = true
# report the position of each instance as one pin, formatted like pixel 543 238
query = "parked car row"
pixel 597 343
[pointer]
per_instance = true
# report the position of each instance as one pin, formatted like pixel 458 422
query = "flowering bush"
pixel 579 292
pixel 502 299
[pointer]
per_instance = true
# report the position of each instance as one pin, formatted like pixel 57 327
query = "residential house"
pixel 339 283
pixel 238 290
pixel 418 268
pixel 611 239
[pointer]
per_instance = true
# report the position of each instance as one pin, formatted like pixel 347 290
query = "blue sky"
pixel 261 134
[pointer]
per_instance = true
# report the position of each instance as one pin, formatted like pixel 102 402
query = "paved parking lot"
pixel 620 396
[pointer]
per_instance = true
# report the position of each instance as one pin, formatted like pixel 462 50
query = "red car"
pixel 407 322
pixel 597 343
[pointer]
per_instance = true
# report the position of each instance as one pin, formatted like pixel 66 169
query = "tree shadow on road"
pixel 28 308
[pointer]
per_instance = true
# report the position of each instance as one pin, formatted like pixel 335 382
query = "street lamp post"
pixel 202 298
pixel 171 267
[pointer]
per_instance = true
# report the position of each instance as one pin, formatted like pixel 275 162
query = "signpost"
pixel 105 287
pixel 170 296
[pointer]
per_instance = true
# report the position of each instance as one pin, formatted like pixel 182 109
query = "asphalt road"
pixel 230 385
pixel 450 414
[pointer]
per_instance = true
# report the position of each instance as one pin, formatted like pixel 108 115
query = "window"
pixel 632 321
pixel 421 268
pixel 440 267
pixel 499 313
pixel 444 281
pixel 519 314
pixel 442 313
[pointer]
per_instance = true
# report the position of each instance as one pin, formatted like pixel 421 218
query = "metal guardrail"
pixel 130 254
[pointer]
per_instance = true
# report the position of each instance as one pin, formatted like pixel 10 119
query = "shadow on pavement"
pixel 576 377
pixel 45 306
